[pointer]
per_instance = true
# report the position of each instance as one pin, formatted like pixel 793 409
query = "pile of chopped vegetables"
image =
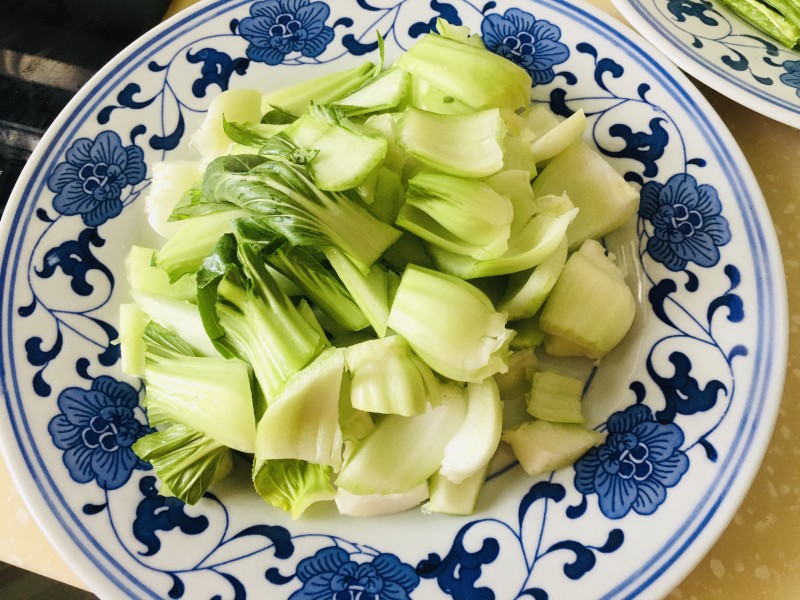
pixel 358 274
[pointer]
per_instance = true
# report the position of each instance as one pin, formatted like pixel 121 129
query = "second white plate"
pixel 723 51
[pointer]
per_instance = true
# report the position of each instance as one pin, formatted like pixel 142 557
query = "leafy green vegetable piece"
pixel 533 243
pixel 518 155
pixel 346 151
pixel 303 421
pixel 767 19
pixel 178 316
pixel 490 80
pixel 356 424
pixel 790 9
pixel 209 394
pixel 305 271
pixel 320 285
pixel 471 448
pixel 603 198
pixel 132 322
pixel 541 446
pixel 281 147
pixel 285 197
pixel 455 498
pixel 373 291
pixel 556 397
pixel 450 324
pixel 528 290
pixel 469 145
pixel 185 251
pixel 247 315
pixel 240 106
pixel 144 275
pixel 387 378
pixel 424 95
pixel 560 137
pixel 292 485
pixel 538 121
pixel 162 343
pixel 186 461
pixel 382 93
pixel 402 452
pixel 171 181
pixel 461 215
pixel 328 88
pixel 590 304
pixel 252 135
pixel 375 505
pixel 386 125
pixel 278 116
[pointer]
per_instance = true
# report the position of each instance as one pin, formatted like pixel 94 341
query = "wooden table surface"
pixel 758 556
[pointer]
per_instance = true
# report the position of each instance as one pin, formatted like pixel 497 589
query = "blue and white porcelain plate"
pixel 688 401
pixel 711 43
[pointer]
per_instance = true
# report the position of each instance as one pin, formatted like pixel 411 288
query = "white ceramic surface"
pixel 688 400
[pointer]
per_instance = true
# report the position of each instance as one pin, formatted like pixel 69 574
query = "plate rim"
pixel 730 499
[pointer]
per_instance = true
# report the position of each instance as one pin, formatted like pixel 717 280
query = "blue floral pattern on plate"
pixel 91 180
pixel 96 429
pixel 331 574
pixel 687 222
pixel 277 28
pixel 533 45
pixel 557 536
pixel 639 460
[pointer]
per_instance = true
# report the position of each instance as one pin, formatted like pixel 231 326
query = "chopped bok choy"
pixel 367 280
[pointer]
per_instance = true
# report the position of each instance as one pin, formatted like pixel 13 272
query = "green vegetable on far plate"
pixel 359 278
pixel 779 19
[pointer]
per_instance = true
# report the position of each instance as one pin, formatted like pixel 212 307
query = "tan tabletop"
pixel 758 556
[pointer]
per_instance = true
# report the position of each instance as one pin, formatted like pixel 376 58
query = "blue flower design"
pixel 792 75
pixel 330 574
pixel 639 460
pixel 277 28
pixel 687 222
pixel 96 429
pixel 91 180
pixel 532 44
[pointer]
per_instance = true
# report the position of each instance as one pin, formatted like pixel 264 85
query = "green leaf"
pixel 185 460
pixel 253 135
pixel 162 343
pixel 292 485
pixel 194 204
pixel 284 195
pixel 278 116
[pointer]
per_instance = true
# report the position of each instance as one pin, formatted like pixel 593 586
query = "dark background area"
pixel 48 50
